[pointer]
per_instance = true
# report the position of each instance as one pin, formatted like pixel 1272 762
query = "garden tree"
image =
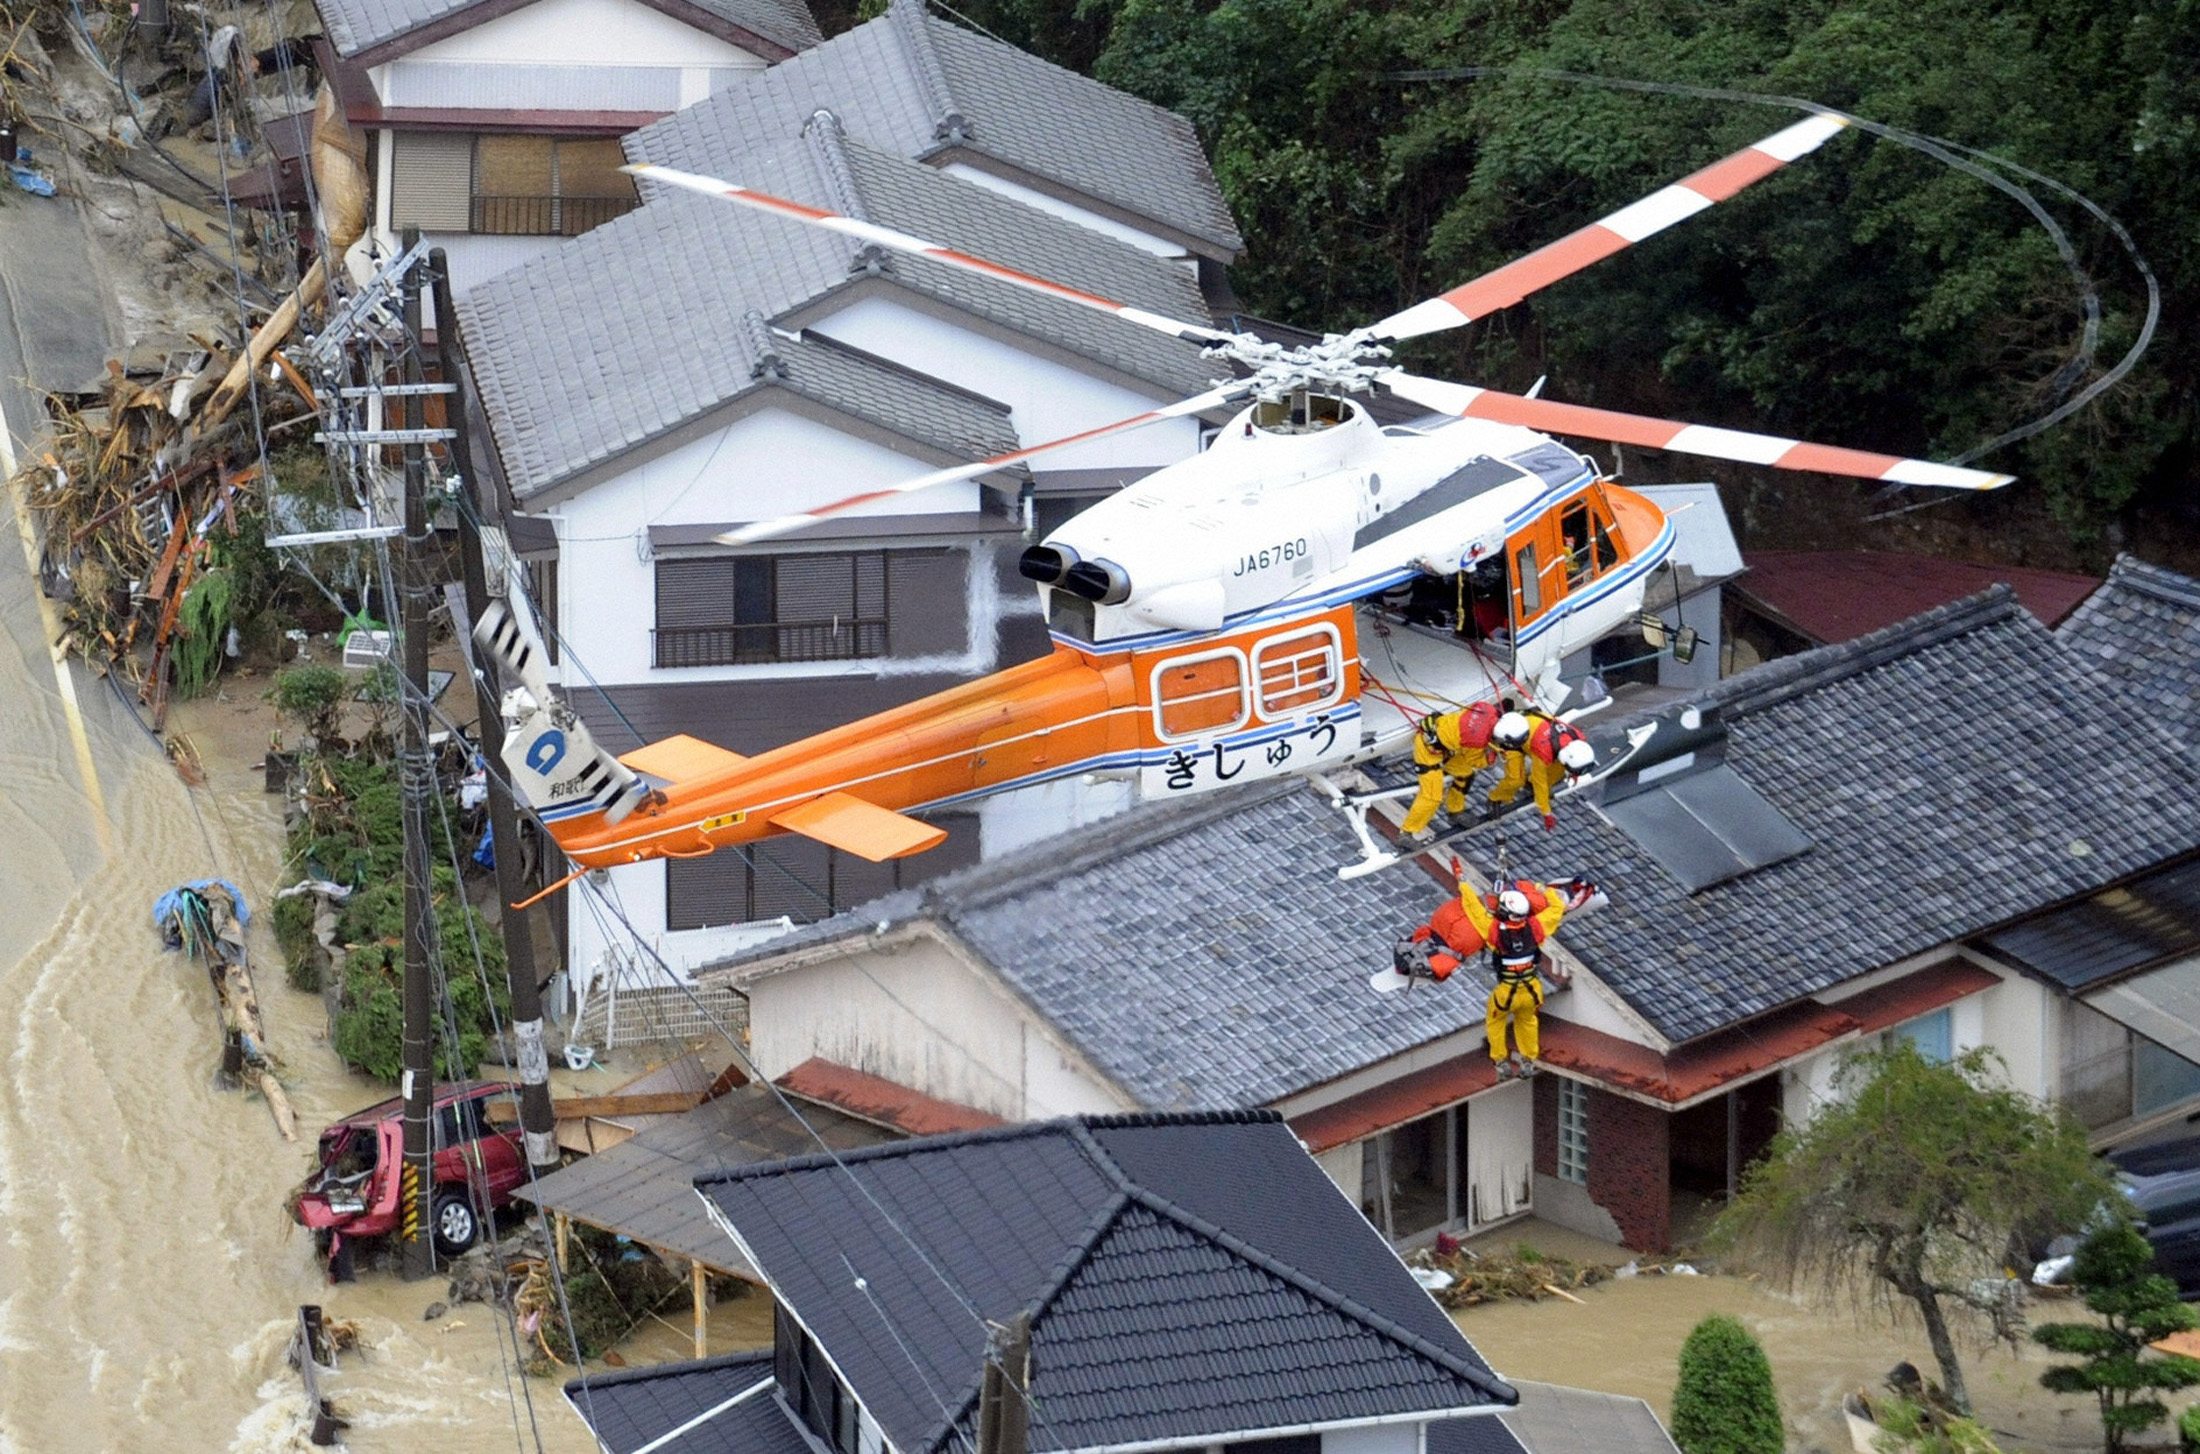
pixel 1724 1403
pixel 1872 297
pixel 2114 1270
pixel 1917 1185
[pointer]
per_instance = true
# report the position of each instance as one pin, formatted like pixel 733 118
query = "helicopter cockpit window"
pixel 1581 564
pixel 1607 550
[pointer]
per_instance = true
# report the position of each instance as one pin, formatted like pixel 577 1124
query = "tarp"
pixel 170 904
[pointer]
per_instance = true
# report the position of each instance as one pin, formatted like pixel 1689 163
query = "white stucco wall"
pixel 1106 226
pixel 1344 1167
pixel 2021 1019
pixel 599 946
pixel 768 463
pixel 1009 821
pixel 592 32
pixel 1048 400
pixel 913 1012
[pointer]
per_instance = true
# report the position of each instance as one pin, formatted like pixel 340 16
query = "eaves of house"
pixel 919 86
pixel 369 32
pixel 633 337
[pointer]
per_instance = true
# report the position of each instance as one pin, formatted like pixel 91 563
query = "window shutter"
pixel 817 587
pixel 431 180
pixel 694 592
pixel 794 878
pixel 703 893
pixel 928 602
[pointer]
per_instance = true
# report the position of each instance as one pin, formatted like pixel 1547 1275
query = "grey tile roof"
pixel 356 25
pixel 1554 1419
pixel 914 84
pixel 1186 1277
pixel 627 1410
pixel 2141 630
pixel 1931 765
pixel 656 318
pixel 644 1187
pixel 1203 955
pixel 1206 955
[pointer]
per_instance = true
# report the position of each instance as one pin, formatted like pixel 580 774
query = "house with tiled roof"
pixel 693 366
pixel 1807 858
pixel 922 87
pixel 2141 630
pixel 1180 1281
pixel 494 125
pixel 1786 601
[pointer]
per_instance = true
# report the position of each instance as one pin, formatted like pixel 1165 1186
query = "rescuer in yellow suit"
pixel 1540 753
pixel 1514 925
pixel 1448 751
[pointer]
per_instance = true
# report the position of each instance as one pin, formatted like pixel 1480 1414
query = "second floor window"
pixel 807 606
pixel 512 185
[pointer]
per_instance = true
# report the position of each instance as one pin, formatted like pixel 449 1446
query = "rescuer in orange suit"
pixel 1448 751
pixel 1511 926
pixel 1540 752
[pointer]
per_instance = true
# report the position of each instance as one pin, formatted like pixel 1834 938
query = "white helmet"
pixel 1577 756
pixel 1511 732
pixel 1512 904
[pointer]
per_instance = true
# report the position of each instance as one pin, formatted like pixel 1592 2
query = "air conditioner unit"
pixel 365 650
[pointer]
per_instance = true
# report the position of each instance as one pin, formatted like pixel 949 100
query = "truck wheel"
pixel 455 1224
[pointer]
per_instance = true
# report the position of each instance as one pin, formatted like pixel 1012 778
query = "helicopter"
pixel 1242 614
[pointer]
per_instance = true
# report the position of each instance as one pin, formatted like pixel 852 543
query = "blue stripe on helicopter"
pixel 1335 595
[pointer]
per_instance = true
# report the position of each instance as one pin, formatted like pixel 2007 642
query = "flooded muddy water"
pixel 148 1271
pixel 1625 1337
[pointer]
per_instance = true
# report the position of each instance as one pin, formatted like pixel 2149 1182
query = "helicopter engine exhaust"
pixel 1046 564
pixel 1100 581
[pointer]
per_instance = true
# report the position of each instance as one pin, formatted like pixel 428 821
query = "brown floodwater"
pixel 148 1271
pixel 1625 1337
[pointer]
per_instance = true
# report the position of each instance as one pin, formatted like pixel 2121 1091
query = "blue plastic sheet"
pixel 485 852
pixel 168 905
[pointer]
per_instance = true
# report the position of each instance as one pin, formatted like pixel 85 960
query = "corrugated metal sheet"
pixel 431 180
pixel 496 85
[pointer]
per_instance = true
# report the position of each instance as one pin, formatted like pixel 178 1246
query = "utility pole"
pixel 416 593
pixel 1004 1410
pixel 537 1121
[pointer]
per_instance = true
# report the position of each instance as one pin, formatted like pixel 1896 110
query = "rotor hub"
pixel 1347 363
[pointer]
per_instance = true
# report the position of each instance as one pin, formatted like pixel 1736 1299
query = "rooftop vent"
pixel 1685 807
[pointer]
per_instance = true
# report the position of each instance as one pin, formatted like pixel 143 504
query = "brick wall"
pixel 1546 1125
pixel 1630 1171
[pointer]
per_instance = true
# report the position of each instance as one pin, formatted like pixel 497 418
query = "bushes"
pixel 1725 1403
pixel 2188 1430
pixel 352 832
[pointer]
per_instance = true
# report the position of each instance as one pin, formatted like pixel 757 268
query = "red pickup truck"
pixel 353 1192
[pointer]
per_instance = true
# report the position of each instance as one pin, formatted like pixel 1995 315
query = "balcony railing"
pixel 770 641
pixel 546 216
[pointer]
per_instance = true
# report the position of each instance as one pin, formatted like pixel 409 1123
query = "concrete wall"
pixel 1049 400
pixel 915 1013
pixel 1381 1439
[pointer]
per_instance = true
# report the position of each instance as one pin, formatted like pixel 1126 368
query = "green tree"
pixel 1724 1402
pixel 2115 1272
pixel 1918 1185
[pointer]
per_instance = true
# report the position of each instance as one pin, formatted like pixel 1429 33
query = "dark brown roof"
pixel 1832 596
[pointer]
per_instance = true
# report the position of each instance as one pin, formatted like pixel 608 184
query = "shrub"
pixel 2188 1430
pixel 1724 1403
pixel 313 695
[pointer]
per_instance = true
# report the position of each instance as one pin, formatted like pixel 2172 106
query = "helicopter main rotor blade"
pixel 1552 417
pixel 887 237
pixel 1230 393
pixel 1507 285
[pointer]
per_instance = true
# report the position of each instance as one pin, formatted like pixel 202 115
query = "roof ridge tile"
pixel 911 24
pixel 2150 579
pixel 828 144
